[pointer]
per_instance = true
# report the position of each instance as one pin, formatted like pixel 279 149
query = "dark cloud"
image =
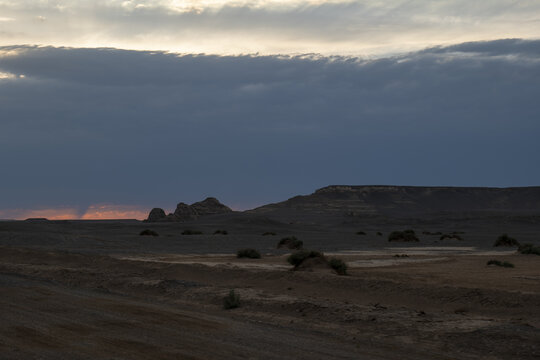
pixel 87 126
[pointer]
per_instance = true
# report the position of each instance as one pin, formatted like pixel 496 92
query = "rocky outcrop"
pixel 345 203
pixel 156 214
pixel 209 206
pixel 185 212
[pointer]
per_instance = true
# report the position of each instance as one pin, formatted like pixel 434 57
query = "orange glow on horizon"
pixel 94 212
pixel 105 212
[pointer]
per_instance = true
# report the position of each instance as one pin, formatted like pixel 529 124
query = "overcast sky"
pixel 109 108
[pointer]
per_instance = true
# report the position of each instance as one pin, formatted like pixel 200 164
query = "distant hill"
pixel 342 201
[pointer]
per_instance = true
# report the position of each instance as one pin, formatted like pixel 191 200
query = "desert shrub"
pixel 405 235
pixel 338 265
pixel 221 232
pixel 298 257
pixel 291 243
pixel 451 236
pixel 271 233
pixel 191 232
pixel 360 233
pixel 505 240
pixel 231 301
pixel 500 263
pixel 148 232
pixel 401 256
pixel 248 253
pixel 529 249
pixel 379 233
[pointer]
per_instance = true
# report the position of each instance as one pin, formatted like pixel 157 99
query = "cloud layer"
pixel 87 126
pixel 340 27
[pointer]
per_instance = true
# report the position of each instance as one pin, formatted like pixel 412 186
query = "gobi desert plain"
pixel 348 272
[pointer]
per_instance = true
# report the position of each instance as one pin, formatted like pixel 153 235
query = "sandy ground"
pixel 434 304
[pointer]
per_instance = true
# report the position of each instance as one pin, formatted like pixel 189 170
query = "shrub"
pixel 222 232
pixel 406 235
pixel 529 249
pixel 248 253
pixel 451 236
pixel 505 240
pixel 291 243
pixel 338 265
pixel 298 257
pixel 360 233
pixel 401 256
pixel 231 301
pixel 149 232
pixel 271 233
pixel 191 232
pixel 379 233
pixel 500 263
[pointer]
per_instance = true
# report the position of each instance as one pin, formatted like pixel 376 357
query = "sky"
pixel 111 108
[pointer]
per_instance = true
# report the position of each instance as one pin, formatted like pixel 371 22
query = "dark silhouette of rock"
pixel 156 214
pixel 185 212
pixel 343 203
pixel 210 206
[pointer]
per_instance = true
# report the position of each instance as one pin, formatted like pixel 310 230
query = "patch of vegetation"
pixel 191 232
pixel 290 242
pixel 401 256
pixel 360 233
pixel 298 257
pixel 505 240
pixel 248 253
pixel 231 301
pixel 269 233
pixel 451 236
pixel 338 265
pixel 501 263
pixel 529 249
pixel 379 233
pixel 221 232
pixel 405 235
pixel 148 232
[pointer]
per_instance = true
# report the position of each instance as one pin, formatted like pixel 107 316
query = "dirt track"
pixel 60 305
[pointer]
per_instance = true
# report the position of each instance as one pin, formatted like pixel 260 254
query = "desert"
pixel 100 290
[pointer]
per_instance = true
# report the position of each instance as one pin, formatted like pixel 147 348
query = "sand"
pixel 60 305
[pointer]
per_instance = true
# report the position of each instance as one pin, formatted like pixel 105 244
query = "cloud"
pixel 143 128
pixel 268 27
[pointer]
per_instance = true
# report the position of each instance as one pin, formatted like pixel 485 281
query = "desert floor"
pixel 82 292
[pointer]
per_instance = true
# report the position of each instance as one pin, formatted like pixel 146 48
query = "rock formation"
pixel 185 212
pixel 156 214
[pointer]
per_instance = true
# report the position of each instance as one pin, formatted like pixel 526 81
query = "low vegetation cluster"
pixel 231 301
pixel 505 240
pixel 405 235
pixel 221 232
pixel 248 253
pixel 290 243
pixel 192 232
pixel 500 263
pixel 298 258
pixel 452 236
pixel 529 249
pixel 148 232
